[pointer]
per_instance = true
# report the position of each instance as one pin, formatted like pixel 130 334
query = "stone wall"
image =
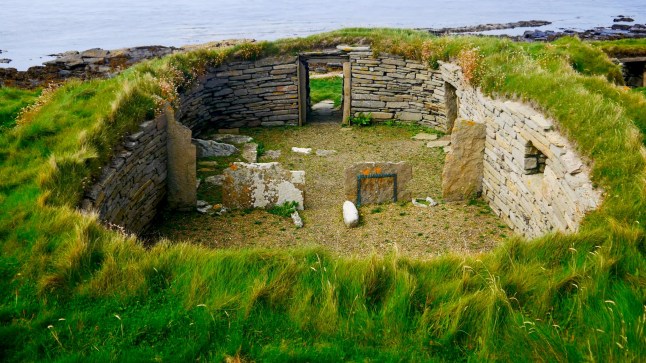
pixel 244 94
pixel 391 87
pixel 133 185
pixel 533 178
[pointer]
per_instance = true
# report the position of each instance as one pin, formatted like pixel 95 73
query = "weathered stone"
pixel 250 152
pixel 261 185
pixel 181 165
pixel 463 168
pixel 231 138
pixel 210 148
pixel 378 190
pixel 350 214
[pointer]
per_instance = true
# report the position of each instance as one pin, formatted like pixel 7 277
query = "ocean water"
pixel 30 30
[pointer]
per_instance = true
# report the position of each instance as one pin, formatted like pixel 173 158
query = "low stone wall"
pixel 244 94
pixel 533 178
pixel 391 87
pixel 133 185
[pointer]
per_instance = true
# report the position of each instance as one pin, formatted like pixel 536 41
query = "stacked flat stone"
pixel 391 87
pixel 132 186
pixel 244 94
pixel 533 199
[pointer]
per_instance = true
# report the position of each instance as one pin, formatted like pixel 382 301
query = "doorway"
pixel 324 88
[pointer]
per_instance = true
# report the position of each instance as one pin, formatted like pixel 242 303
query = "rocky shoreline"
pixel 93 63
pixel 100 63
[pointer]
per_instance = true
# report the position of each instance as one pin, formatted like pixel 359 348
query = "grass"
pixel 12 100
pixel 74 290
pixel 330 88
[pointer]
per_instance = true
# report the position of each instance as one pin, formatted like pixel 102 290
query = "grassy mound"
pixel 74 290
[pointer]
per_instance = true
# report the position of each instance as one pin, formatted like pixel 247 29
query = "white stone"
pixel 298 222
pixel 350 214
pixel 302 150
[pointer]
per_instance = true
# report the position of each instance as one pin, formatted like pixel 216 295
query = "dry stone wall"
pixel 391 87
pixel 533 178
pixel 244 94
pixel 133 185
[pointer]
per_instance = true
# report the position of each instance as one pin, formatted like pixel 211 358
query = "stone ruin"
pixel 507 152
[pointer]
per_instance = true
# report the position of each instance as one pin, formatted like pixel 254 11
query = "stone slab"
pixel 378 190
pixel 463 168
pixel 261 185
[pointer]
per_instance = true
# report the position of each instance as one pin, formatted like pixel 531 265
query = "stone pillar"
pixel 347 92
pixel 463 169
pixel 302 93
pixel 182 186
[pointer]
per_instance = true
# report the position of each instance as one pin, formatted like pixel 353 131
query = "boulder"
pixel 302 150
pixel 209 148
pixel 350 214
pixel 463 168
pixel 377 190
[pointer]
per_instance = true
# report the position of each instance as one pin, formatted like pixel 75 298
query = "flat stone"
pixel 438 143
pixel 250 152
pixel 378 190
pixel 325 152
pixel 302 150
pixel 232 138
pixel 350 214
pixel 261 185
pixel 214 180
pixel 463 167
pixel 272 154
pixel 425 137
pixel 210 148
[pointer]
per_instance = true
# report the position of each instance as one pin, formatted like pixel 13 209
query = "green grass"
pixel 641 90
pixel 12 100
pixel 330 88
pixel 73 290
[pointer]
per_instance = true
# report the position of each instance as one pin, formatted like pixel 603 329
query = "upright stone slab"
pixel 377 189
pixel 463 169
pixel 182 193
pixel 261 185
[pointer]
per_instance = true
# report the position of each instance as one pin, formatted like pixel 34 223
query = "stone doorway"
pixel 333 70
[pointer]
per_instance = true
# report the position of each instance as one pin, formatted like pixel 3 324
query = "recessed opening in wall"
pixel 451 99
pixel 534 162
pixel 321 82
pixel 634 70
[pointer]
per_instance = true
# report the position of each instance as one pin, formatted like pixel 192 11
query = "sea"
pixel 33 30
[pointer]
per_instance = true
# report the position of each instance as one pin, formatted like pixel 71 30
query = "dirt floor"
pixel 414 231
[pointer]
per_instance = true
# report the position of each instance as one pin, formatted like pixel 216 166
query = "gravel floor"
pixel 413 231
